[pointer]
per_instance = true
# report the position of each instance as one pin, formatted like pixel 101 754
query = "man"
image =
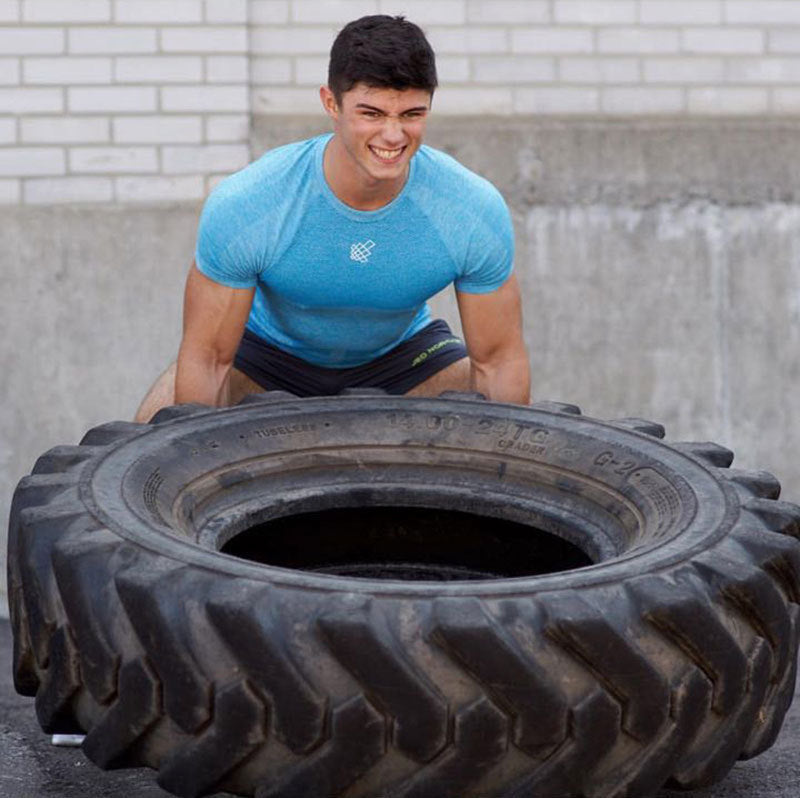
pixel 315 263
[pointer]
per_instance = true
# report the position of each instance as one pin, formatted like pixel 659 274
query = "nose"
pixel 393 131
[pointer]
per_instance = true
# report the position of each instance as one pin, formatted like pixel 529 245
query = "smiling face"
pixel 377 131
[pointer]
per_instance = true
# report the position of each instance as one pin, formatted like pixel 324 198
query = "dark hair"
pixel 383 52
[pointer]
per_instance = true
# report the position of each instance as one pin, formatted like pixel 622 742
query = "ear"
pixel 328 100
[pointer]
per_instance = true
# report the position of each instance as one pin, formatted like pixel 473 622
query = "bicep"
pixel 214 315
pixel 492 322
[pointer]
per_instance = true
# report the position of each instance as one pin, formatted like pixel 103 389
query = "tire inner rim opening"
pixel 384 519
pixel 406 543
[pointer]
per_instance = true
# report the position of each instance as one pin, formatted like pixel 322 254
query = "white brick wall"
pixel 65 129
pixel 112 40
pixel 112 100
pixel 65 69
pixel 147 100
pixel 22 161
pixel 204 98
pixel 619 57
pixel 8 130
pixel 9 71
pixel 103 100
pixel 159 69
pixel 158 129
pixel 59 11
pixel 48 191
pixel 28 41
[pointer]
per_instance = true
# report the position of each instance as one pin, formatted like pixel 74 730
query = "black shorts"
pixel 433 348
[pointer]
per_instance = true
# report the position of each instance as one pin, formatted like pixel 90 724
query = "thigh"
pixel 454 377
pixel 240 385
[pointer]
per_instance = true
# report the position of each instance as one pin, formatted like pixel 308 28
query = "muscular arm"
pixel 492 325
pixel 213 322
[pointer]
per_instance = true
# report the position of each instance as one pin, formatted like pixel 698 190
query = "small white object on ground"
pixel 68 740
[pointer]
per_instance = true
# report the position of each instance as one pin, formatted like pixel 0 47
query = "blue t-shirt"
pixel 339 287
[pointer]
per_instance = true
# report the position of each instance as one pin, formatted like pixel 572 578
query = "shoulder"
pixel 455 196
pixel 265 183
pixel 242 218
pixel 447 187
pixel 443 171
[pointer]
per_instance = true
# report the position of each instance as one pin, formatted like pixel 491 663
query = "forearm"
pixel 201 377
pixel 503 380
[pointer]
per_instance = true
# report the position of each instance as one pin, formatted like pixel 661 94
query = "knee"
pixel 161 394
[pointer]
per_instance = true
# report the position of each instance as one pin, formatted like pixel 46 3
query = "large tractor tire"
pixel 370 596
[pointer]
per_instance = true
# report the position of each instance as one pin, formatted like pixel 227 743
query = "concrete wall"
pixel 660 262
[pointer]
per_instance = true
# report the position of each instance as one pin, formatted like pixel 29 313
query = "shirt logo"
pixel 361 250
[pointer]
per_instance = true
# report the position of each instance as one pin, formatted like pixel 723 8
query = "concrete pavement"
pixel 30 767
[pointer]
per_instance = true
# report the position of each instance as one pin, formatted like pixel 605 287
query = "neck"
pixel 352 185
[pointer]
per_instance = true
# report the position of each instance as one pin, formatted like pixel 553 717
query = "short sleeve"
pixel 224 250
pixel 490 251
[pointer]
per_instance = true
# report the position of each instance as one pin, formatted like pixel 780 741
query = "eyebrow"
pixel 381 111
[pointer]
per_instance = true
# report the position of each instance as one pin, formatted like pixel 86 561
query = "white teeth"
pixel 386 154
